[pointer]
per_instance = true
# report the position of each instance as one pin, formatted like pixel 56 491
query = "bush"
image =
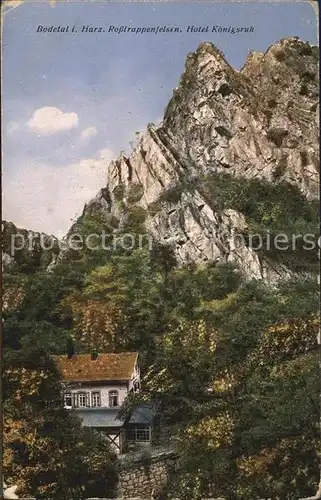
pixel 136 217
pixel 172 195
pixel 135 193
pixel 276 135
pixel 119 192
pixel 269 209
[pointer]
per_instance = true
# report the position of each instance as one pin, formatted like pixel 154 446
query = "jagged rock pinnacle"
pixel 260 122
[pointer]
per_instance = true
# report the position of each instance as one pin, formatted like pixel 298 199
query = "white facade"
pixel 107 395
pixel 100 395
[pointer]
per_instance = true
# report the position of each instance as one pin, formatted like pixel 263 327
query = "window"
pixel 113 399
pixel 95 399
pixel 68 399
pixel 136 386
pixel 137 434
pixel 143 434
pixel 82 399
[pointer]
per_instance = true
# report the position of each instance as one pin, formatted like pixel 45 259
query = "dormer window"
pixel 113 399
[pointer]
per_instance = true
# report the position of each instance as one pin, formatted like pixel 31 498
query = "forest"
pixel 232 362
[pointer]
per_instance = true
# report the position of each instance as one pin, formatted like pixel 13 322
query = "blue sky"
pixel 98 89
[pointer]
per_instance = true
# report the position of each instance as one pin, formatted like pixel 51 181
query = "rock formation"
pixel 260 122
pixel 257 123
pixel 27 251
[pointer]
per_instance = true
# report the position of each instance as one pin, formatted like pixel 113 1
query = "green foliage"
pixel 190 288
pixel 284 369
pixel 278 206
pixel 31 256
pixel 48 454
pixel 230 384
pixel 119 192
pixel 154 207
pixel 271 210
pixel 70 347
pixel 136 217
pixel 232 363
pixel 135 193
pixel 34 319
pixel 172 195
pixel 96 232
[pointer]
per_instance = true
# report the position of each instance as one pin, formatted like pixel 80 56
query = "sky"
pixel 73 101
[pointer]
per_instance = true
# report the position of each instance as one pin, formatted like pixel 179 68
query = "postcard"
pixel 160 250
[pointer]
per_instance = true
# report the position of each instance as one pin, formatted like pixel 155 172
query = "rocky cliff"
pixel 259 123
pixel 27 251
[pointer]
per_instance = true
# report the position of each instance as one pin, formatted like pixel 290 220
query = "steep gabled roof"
pixel 107 367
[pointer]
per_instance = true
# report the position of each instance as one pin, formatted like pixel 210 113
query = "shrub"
pixel 135 193
pixel 119 192
pixel 276 135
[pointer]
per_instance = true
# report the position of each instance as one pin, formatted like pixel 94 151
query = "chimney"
pixel 94 355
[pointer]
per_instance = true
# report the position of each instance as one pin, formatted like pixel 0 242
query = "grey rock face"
pixel 26 250
pixel 246 122
pixel 260 122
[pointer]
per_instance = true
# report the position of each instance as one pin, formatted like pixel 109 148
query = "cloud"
pixel 88 132
pixel 49 120
pixel 48 199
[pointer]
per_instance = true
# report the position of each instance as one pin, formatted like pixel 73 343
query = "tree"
pixel 31 318
pixel 108 313
pixel 70 347
pixel 283 370
pixel 47 452
pixel 229 386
